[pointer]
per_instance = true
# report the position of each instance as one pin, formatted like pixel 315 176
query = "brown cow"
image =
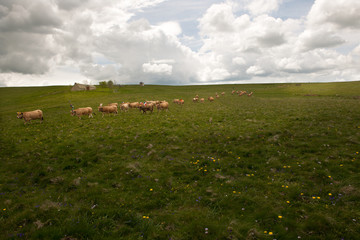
pixel 146 107
pixel 211 99
pixel 107 109
pixel 134 105
pixel 125 107
pixel 242 93
pixel 32 115
pixel 113 104
pixel 163 105
pixel 82 111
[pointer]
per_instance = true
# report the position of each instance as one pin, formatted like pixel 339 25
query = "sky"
pixel 178 42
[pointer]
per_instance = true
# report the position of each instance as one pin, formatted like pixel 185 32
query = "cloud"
pixel 218 18
pixel 339 13
pixel 255 70
pixel 258 7
pixel 23 16
pixel 320 38
pixel 236 41
pixel 161 68
pixel 170 28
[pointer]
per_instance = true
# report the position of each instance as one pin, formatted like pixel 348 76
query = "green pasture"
pixel 282 164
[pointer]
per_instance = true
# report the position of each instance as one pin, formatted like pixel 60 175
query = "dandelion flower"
pixel 234 191
pixel 280 217
pixel 329 176
pixel 330 194
pixel 313 197
pixel 318 197
pixel 270 233
pixel 301 194
pixel 265 231
pixel 151 189
pixel 287 201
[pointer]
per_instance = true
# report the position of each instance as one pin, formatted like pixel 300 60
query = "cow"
pixel 32 115
pixel 107 109
pixel 113 104
pixel 146 107
pixel 125 107
pixel 163 105
pixel 134 105
pixel 82 111
pixel 211 99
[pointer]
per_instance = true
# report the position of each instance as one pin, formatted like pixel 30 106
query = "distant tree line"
pixel 105 84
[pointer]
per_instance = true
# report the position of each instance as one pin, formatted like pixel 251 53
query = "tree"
pixel 110 84
pixel 103 84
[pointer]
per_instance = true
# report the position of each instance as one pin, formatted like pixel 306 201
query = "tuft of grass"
pixel 281 164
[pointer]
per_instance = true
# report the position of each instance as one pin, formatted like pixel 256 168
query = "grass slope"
pixel 281 164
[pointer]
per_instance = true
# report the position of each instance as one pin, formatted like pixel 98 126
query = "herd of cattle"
pixel 113 107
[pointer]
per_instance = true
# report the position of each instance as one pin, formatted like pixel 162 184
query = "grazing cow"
pixel 242 93
pixel 211 99
pixel 108 109
pixel 176 101
pixel 181 102
pixel 163 105
pixel 32 115
pixel 250 94
pixel 146 107
pixel 82 111
pixel 223 93
pixel 195 99
pixel 232 92
pixel 202 100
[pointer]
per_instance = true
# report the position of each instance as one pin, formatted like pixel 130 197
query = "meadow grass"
pixel 282 164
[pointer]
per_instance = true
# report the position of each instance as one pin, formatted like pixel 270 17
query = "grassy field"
pixel 282 164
